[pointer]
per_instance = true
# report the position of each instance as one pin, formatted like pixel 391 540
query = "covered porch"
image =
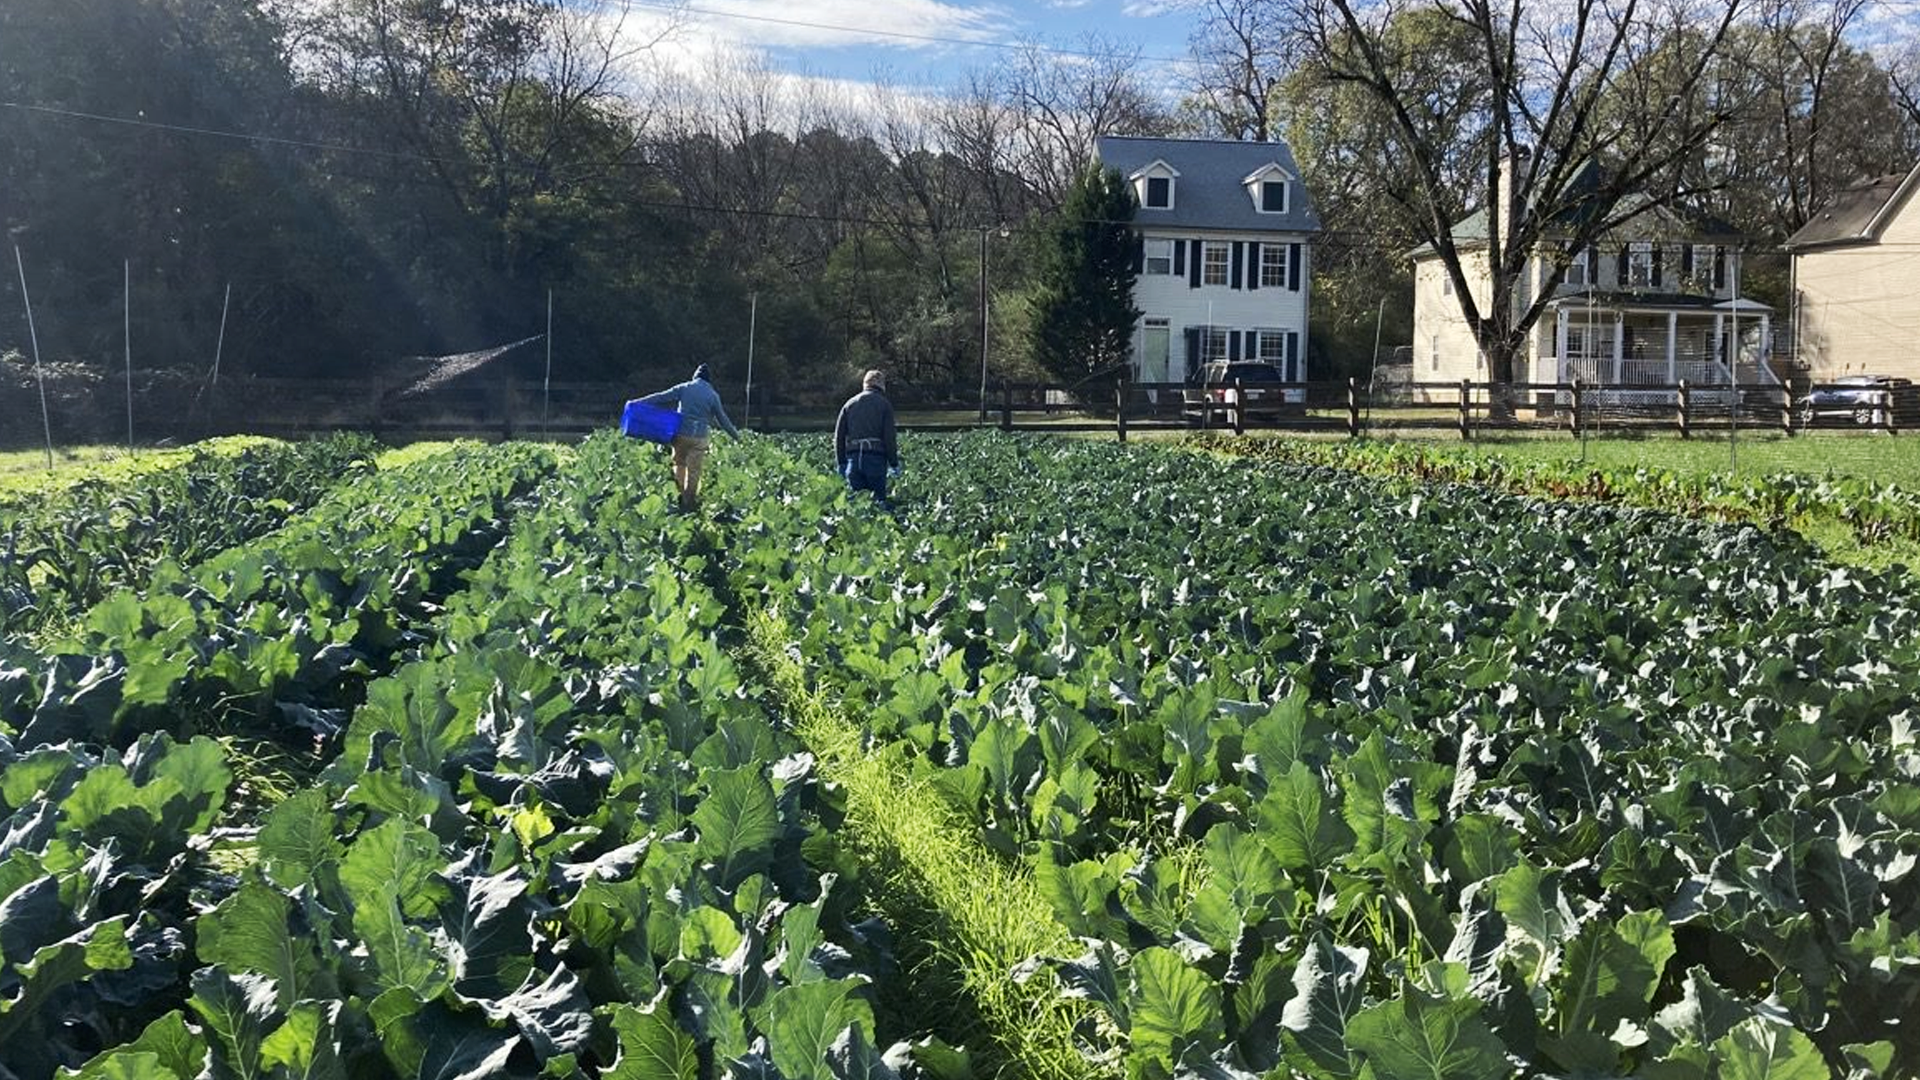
pixel 1623 344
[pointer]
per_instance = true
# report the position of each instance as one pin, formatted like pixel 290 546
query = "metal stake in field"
pixel 126 274
pixel 546 383
pixel 1374 365
pixel 1733 376
pixel 220 343
pixel 983 324
pixel 753 323
pixel 39 376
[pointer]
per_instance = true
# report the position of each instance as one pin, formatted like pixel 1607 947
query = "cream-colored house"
pixel 1856 276
pixel 1652 307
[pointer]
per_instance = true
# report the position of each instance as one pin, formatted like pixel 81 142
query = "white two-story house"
pixel 1651 305
pixel 1225 258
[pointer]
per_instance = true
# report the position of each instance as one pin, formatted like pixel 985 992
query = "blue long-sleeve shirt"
pixel 700 407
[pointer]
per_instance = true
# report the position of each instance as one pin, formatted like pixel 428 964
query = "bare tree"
pixel 1555 88
pixel 1238 50
pixel 1827 115
pixel 1903 73
pixel 978 126
pixel 1066 101
pixel 500 100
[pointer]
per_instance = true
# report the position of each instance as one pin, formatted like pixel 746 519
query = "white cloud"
pixel 1154 9
pixel 810 24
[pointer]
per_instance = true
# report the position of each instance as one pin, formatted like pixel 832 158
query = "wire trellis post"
pixel 39 375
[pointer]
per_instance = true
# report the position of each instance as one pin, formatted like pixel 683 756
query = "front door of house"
pixel 1156 346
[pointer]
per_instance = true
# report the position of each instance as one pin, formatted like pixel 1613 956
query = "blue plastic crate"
pixel 649 422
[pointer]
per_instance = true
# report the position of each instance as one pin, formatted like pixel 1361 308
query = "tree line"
pixel 383 179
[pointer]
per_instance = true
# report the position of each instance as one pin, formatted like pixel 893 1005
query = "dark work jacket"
pixel 865 425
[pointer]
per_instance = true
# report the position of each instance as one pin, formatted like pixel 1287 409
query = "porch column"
pixel 1766 339
pixel 1560 345
pixel 1720 341
pixel 1619 342
pixel 1673 342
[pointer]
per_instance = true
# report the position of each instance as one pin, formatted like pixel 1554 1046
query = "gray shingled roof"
pixel 1471 231
pixel 1848 217
pixel 1209 194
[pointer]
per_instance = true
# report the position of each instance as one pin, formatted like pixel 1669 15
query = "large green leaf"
pixel 238 1010
pixel 652 1046
pixel 428 1041
pixel 167 1048
pixel 803 1023
pixel 1608 978
pixel 738 822
pixel 1294 820
pixel 1329 986
pixel 1530 899
pixel 1760 1049
pixel 101 947
pixel 306 1046
pixel 248 933
pixel 396 860
pixel 553 1015
pixel 405 957
pixel 1703 1015
pixel 1078 894
pixel 1286 735
pixel 1414 1037
pixel 298 841
pixel 201 775
pixel 1174 1009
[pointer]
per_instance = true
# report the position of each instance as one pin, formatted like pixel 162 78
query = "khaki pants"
pixel 689 454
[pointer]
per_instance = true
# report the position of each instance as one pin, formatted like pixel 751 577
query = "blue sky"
pixel 919 42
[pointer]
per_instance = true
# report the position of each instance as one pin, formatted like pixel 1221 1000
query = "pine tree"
pixel 1083 313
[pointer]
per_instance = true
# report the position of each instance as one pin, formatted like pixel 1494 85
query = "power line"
pixel 185 129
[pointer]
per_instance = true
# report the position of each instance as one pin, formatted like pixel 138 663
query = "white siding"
pixel 1172 298
pixel 1860 305
pixel 1443 346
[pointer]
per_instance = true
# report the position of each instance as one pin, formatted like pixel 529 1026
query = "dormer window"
pixel 1270 186
pixel 1153 186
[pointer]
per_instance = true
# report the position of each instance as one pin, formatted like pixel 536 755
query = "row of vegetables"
pixel 1874 511
pixel 1340 775
pixel 67 549
pixel 1330 776
pixel 557 837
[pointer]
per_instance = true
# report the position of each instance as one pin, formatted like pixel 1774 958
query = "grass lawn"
pixel 1887 459
pixel 35 461
pixel 24 473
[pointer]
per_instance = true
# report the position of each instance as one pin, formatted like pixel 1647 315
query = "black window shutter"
pixel 1719 267
pixel 1194 359
pixel 1293 356
pixel 1293 267
pixel 1620 267
pixel 1659 250
pixel 1193 263
pixel 1238 261
pixel 1686 260
pixel 1179 258
pixel 1253 264
pixel 1139 252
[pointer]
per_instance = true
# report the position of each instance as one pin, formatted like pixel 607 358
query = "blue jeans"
pixel 867 471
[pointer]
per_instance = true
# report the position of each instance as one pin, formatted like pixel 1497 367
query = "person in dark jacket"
pixel 700 412
pixel 864 447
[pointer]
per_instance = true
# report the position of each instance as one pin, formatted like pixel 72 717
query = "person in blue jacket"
pixel 700 412
pixel 865 448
